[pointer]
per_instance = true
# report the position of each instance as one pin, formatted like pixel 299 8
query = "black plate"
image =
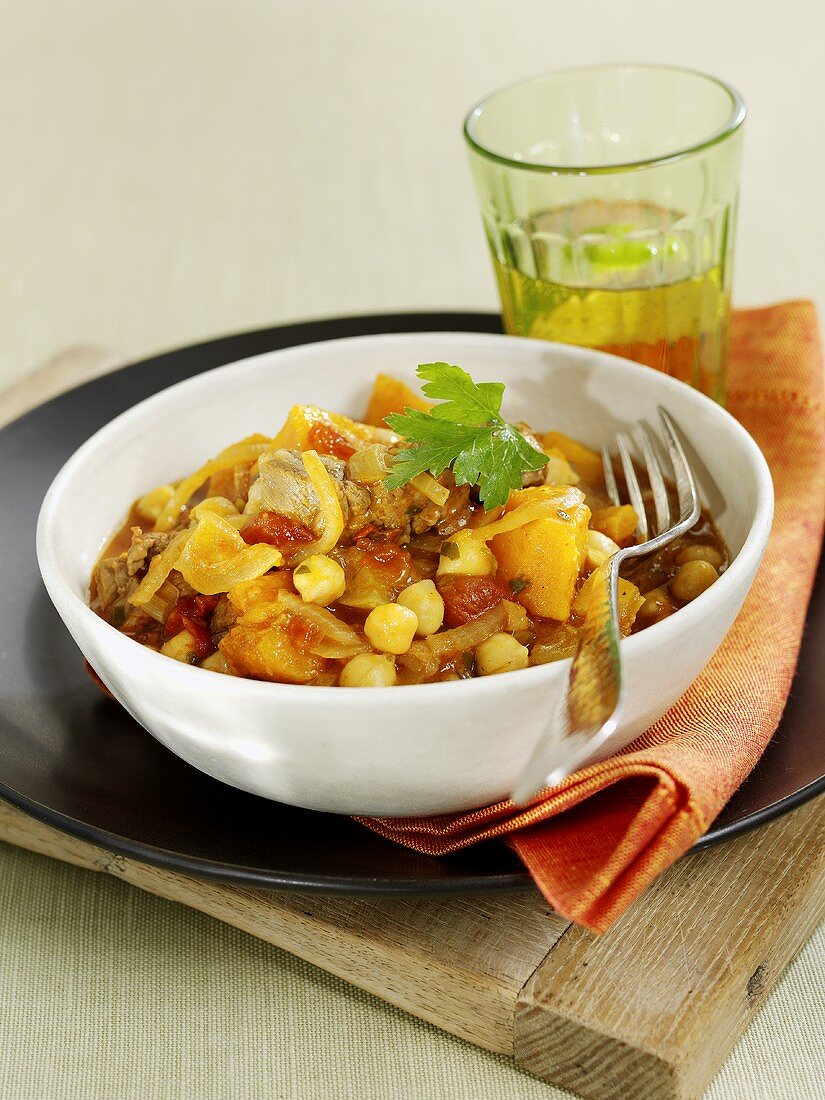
pixel 77 761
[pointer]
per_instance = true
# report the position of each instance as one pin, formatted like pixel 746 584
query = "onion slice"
pixel 330 516
pixel 433 490
pixel 339 639
pixel 466 637
pixel 247 451
pixel 216 557
pixel 423 659
pixel 369 465
pixel 159 606
pixel 159 569
pixel 542 501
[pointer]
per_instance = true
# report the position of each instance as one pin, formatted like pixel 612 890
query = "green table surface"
pixel 106 991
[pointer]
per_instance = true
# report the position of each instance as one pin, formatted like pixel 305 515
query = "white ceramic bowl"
pixel 424 749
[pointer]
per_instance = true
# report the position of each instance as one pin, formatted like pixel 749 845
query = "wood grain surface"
pixel 647 1011
pixel 651 1009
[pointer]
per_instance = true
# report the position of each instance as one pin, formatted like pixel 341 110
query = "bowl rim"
pixel 747 559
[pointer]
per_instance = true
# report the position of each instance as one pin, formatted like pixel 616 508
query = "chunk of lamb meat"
pixel 115 579
pixel 143 628
pixel 284 486
pixel 143 549
pixel 112 585
pixel 405 510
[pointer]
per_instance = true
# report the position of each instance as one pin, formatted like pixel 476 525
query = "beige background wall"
pixel 174 169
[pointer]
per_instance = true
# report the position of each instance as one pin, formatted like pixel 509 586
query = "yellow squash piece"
pixel 630 600
pixel 263 591
pixel 297 432
pixel 261 646
pixel 587 463
pixel 182 647
pixel 391 395
pixel 266 653
pixel 558 470
pixel 618 522
pixel 541 560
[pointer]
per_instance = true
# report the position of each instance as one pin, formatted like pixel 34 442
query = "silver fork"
pixel 594 693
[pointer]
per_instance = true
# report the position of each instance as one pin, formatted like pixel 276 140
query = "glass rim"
pixel 734 121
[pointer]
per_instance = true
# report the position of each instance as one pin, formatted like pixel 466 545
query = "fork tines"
pixel 685 485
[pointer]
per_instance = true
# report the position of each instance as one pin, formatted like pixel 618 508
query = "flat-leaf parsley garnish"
pixel 466 432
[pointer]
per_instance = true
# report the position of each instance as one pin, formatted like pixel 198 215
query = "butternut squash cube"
pixel 586 462
pixel 266 651
pixel 310 428
pixel 558 470
pixel 261 591
pixel 391 395
pixel 541 560
pixel 618 522
pixel 630 600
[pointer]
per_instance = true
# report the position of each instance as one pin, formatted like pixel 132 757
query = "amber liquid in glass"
pixel 626 278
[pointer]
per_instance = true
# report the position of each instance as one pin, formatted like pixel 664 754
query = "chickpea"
pixel 319 580
pixel 692 579
pixel 699 552
pixel 657 606
pixel 466 554
pixel 501 653
pixel 368 670
pixel 425 600
pixel 391 627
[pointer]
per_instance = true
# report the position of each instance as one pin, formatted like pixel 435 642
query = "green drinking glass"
pixel 609 198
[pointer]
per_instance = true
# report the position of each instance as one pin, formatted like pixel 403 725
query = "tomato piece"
pixel 468 597
pixel 178 621
pixel 326 441
pixel 190 613
pixel 203 605
pixel 175 620
pixel 203 638
pixel 282 532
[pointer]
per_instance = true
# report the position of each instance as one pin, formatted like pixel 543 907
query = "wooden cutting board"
pixel 649 1010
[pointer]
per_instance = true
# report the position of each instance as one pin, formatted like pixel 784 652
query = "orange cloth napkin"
pixel 598 840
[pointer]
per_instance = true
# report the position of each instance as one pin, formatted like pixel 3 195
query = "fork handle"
pixel 594 692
